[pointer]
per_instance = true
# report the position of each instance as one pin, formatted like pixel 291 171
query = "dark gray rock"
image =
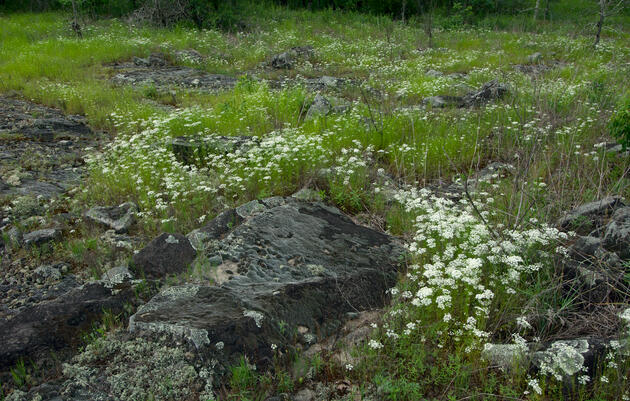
pixel 167 254
pixel 286 60
pixel 320 107
pixel 215 229
pixel 118 218
pixel 589 216
pixel 617 233
pixel 188 150
pixel 41 237
pixel 56 321
pixel 283 264
pixel 165 77
pixel 37 146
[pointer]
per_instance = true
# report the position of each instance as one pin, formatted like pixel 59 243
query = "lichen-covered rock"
pixel 117 277
pixel 165 255
pixel 118 218
pixel 283 264
pixel 136 370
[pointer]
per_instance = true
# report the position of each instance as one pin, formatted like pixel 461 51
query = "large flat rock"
pixel 41 149
pixel 278 265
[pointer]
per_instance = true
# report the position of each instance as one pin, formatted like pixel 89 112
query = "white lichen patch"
pixel 563 358
pixel 171 240
pixel 257 316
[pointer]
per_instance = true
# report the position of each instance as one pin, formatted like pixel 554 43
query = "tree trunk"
pixel 600 23
pixel 404 6
pixel 536 10
pixel 547 12
pixel 76 27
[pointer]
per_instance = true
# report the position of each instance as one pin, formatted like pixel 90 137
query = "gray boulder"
pixel 167 254
pixel 41 237
pixel 585 248
pixel 320 107
pixel 287 264
pixel 590 216
pixel 118 218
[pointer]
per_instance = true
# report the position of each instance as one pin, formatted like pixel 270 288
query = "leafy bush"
pixel 619 124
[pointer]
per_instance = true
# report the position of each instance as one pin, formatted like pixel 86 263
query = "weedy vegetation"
pixel 481 269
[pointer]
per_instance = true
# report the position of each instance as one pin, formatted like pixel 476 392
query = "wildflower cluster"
pixel 462 270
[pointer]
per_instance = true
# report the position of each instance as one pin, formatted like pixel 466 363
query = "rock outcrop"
pixel 277 264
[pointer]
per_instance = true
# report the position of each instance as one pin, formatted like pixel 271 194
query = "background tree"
pixel 606 9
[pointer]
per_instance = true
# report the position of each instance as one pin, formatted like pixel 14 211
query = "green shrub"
pixel 619 125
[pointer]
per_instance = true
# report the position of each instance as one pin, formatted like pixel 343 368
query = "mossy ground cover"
pixel 550 127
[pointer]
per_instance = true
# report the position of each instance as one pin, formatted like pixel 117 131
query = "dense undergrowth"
pixel 474 267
